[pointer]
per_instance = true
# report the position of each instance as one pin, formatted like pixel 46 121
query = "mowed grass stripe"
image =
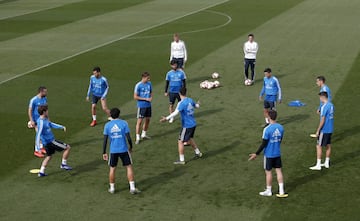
pixel 79 37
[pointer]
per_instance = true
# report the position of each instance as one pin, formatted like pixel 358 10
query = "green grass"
pixel 222 185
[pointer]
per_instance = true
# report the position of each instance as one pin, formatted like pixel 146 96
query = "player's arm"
pixel 321 124
pixel 106 89
pixel 171 53
pixel 167 82
pixel 38 134
pixel 279 91
pixel 30 114
pixel 244 49
pixel 260 149
pixel 173 114
pixel 185 52
pixel 89 91
pixel 184 82
pixel 128 137
pixel 262 92
pixel 105 156
pixel 57 126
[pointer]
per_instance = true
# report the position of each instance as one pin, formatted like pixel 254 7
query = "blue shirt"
pixel 35 102
pixel 44 132
pixel 326 89
pixel 271 88
pixel 116 130
pixel 327 110
pixel 175 79
pixel 143 90
pixel 186 107
pixel 274 134
pixel 99 87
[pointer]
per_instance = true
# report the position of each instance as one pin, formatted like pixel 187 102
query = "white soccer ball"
pixel 216 83
pixel 248 82
pixel 29 125
pixel 215 75
pixel 210 85
pixel 203 85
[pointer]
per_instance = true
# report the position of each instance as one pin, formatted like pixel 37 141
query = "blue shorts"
pixel 324 139
pixel 186 134
pixel 55 145
pixel 125 158
pixel 144 112
pixel 173 97
pixel 95 99
pixel 270 163
pixel 269 105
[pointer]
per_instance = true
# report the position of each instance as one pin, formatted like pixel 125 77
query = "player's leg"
pixel 181 140
pixel 112 179
pixel 246 68
pixel 127 162
pixel 147 115
pixel 172 98
pixel 328 154
pixel 252 67
pixel 268 177
pixel 38 151
pixel 61 146
pixel 318 152
pixel 278 165
pixel 193 143
pixel 50 150
pixel 104 107
pixel 140 117
pixel 93 110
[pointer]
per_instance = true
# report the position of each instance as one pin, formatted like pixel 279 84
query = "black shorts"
pixel 269 105
pixel 186 134
pixel 270 163
pixel 324 139
pixel 55 146
pixel 179 62
pixel 173 97
pixel 144 112
pixel 95 99
pixel 125 158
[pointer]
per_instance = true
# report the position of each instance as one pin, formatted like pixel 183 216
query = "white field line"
pixel 112 41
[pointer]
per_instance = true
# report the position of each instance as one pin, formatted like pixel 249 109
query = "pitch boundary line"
pixel 112 41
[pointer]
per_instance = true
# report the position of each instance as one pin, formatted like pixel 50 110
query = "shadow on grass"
pixel 208 112
pixel 198 79
pixel 84 142
pixel 87 167
pixel 293 118
pixel 224 149
pixel 346 133
pixel 128 116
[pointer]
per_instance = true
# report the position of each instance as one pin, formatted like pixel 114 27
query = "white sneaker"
pixel 171 120
pixel 145 137
pixel 112 191
pixel 135 191
pixel 137 141
pixel 266 193
pixel 326 165
pixel 316 167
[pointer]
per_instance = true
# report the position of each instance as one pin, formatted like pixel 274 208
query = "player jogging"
pixel 118 131
pixel 38 100
pixel 175 80
pixel 48 140
pixel 324 131
pixel 99 88
pixel 272 91
pixel 178 51
pixel 250 50
pixel 186 107
pixel 272 137
pixel 320 81
pixel 143 95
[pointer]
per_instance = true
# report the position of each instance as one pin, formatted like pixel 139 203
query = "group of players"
pixel 117 130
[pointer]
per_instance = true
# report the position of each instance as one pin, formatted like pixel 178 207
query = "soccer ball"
pixel 29 125
pixel 204 84
pixel 210 85
pixel 216 83
pixel 248 82
pixel 215 75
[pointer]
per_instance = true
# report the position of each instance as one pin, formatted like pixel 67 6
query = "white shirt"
pixel 178 50
pixel 250 49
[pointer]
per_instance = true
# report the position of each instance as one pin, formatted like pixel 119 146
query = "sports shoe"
pixel 145 137
pixel 39 154
pixel 266 193
pixel 41 174
pixel 112 191
pixel 282 195
pixel 326 165
pixel 179 162
pixel 198 155
pixel 316 167
pixel 137 141
pixel 65 167
pixel 135 191
pixel 93 123
pixel 171 120
pixel 43 151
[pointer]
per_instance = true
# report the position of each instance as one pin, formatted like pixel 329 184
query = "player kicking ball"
pixel 186 107
pixel 118 131
pixel 48 140
pixel 272 137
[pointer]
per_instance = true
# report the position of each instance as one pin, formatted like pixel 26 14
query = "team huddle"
pixel 117 133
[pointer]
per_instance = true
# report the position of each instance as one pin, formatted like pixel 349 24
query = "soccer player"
pixel 272 90
pixel 38 100
pixel 250 50
pixel 272 137
pixel 143 95
pixel 175 79
pixel 178 51
pixel 99 88
pixel 186 107
pixel 324 131
pixel 118 131
pixel 48 140
pixel 320 81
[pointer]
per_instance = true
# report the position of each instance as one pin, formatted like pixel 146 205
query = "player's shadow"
pixel 261 80
pixel 208 112
pixel 83 142
pixel 128 116
pixel 161 178
pixel 197 79
pixel 87 167
pixel 293 118
pixel 338 136
pixel 221 150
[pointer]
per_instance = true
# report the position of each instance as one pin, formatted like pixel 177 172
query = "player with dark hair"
pixel 118 131
pixel 272 91
pixel 324 131
pixel 48 140
pixel 143 96
pixel 186 107
pixel 175 80
pixel 38 100
pixel 250 50
pixel 320 81
pixel 272 137
pixel 99 88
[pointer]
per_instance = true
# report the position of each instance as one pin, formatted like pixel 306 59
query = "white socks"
pixel 94 117
pixel 281 189
pixel 197 151
pixel 64 162
pixel 268 188
pixel 143 134
pixel 42 169
pixel 318 162
pixel 137 136
pixel 182 157
pixel 327 160
pixel 132 185
pixel 112 186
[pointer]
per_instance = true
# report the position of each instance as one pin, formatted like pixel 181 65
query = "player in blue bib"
pixel 143 96
pixel 186 107
pixel 320 81
pixel 48 140
pixel 324 131
pixel 272 91
pixel 39 100
pixel 175 80
pixel 118 132
pixel 272 138
pixel 98 88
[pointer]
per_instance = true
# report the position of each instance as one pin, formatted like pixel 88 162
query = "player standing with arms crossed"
pixel 324 131
pixel 175 80
pixel 272 91
pixel 250 50
pixel 118 131
pixel 272 137
pixel 99 88
pixel 143 95
pixel 320 81
pixel 39 100
pixel 186 107
pixel 178 51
